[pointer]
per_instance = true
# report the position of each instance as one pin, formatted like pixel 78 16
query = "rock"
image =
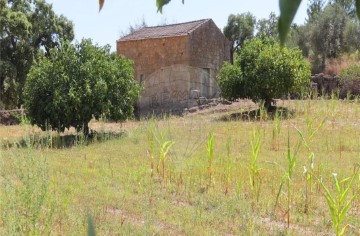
pixel 193 109
pixel 225 102
pixel 194 94
pixel 202 100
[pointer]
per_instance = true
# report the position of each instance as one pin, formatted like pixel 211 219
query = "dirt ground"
pixel 223 107
pixel 11 117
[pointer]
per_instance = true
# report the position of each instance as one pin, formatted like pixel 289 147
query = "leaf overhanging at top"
pixel 101 4
pixel 357 2
pixel 160 4
pixel 288 9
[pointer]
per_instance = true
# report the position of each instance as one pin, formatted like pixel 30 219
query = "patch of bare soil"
pixel 239 110
pixel 272 225
pixel 140 221
pixel 224 107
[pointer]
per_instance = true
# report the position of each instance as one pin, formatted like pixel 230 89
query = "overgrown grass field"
pixel 294 172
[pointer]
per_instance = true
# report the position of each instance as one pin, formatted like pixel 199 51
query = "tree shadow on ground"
pixel 58 141
pixel 258 114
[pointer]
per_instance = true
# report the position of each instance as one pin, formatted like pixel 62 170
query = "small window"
pixel 142 77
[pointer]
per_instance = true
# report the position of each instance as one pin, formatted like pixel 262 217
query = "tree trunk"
pixel 85 129
pixel 267 104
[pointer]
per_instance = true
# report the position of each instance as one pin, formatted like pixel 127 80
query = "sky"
pixel 107 26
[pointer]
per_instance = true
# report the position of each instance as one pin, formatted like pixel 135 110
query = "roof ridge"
pixel 161 31
pixel 175 24
pixel 197 26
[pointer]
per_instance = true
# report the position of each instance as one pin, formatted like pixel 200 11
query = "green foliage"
pixel 288 177
pixel 337 202
pixel 347 5
pixel 26 196
pixel 164 150
pixel 326 33
pixel 210 151
pixel 27 30
pixel 265 71
pixel 288 9
pixel 91 226
pixel 159 146
pixel 270 71
pixel 79 82
pixel 314 8
pixel 254 169
pixel 329 32
pixel 85 179
pixel 231 82
pixel 268 27
pixel 351 73
pixel 239 28
pixel 161 3
pixel 352 36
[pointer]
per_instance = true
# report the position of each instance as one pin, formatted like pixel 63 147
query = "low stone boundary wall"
pixel 11 117
pixel 328 84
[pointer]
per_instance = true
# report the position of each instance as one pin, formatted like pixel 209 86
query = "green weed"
pixel 338 202
pixel 254 168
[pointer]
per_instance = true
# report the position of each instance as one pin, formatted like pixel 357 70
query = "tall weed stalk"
pixel 26 205
pixel 276 130
pixel 254 169
pixel 158 145
pixel 288 177
pixel 312 130
pixel 338 202
pixel 210 152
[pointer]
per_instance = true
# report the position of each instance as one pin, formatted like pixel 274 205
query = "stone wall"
pixel 174 88
pixel 209 47
pixel 151 54
pixel 327 84
pixel 170 68
pixel 11 117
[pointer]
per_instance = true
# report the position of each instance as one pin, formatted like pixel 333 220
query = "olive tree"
pixel 263 71
pixel 239 28
pixel 28 28
pixel 79 82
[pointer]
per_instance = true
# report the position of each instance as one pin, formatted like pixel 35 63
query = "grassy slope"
pixel 53 190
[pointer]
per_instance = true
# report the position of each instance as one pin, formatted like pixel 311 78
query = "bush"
pixel 350 81
pixel 351 73
pixel 265 71
pixel 79 82
pixel 231 82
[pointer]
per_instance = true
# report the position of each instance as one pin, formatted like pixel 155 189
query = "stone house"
pixel 176 64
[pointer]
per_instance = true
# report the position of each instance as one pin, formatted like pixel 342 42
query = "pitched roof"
pixel 164 30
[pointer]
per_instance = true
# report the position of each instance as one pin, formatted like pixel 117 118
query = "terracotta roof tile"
pixel 164 31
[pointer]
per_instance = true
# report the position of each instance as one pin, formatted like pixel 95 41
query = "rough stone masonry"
pixel 173 61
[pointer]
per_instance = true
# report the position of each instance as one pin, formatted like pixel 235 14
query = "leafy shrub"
pixel 350 81
pixel 79 82
pixel 351 73
pixel 231 82
pixel 264 71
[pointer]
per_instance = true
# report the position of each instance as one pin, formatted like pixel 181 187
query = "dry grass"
pixel 336 65
pixel 112 180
